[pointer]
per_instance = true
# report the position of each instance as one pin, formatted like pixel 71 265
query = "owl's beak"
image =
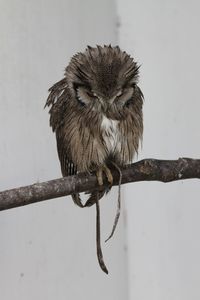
pixel 103 104
pixel 106 103
pixel 111 100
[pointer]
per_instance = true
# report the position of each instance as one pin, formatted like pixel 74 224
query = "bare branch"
pixel 144 170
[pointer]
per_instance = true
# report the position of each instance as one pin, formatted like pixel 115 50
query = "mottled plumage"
pixel 96 112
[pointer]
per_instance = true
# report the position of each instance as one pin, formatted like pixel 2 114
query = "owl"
pixel 96 114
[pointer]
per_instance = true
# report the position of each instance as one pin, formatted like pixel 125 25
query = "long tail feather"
pixel 118 203
pixel 98 238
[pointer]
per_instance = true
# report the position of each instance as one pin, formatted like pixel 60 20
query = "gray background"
pixel 163 219
pixel 47 250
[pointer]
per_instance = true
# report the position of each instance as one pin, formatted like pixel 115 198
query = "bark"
pixel 144 170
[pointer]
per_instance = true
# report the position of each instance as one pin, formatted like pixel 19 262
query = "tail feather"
pixel 94 199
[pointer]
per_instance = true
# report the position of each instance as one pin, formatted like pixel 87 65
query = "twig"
pixel 144 170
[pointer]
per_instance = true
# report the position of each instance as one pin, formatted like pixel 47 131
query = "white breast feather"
pixel 110 134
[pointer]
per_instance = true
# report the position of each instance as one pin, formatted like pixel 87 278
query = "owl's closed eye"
pixel 84 96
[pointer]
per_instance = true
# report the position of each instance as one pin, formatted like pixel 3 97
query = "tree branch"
pixel 144 170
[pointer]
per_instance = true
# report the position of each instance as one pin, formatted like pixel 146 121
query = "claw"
pixel 99 173
pixel 77 200
pixel 108 174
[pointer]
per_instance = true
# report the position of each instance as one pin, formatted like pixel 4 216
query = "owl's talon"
pixel 99 174
pixel 108 174
pixel 104 169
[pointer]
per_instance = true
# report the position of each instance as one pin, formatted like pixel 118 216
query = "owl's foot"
pixel 77 200
pixel 99 174
pixel 104 169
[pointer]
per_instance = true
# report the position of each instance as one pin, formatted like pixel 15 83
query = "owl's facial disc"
pixel 125 97
pixel 84 96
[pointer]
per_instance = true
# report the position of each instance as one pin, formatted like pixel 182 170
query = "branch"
pixel 144 170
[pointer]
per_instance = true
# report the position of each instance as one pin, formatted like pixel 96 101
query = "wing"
pixel 57 100
pixel 55 92
pixel 67 166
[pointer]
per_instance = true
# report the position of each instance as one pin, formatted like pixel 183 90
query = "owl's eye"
pixel 84 96
pixel 81 102
pixel 125 98
pixel 119 93
pixel 128 103
pixel 90 94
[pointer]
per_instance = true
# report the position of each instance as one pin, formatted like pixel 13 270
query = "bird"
pixel 96 114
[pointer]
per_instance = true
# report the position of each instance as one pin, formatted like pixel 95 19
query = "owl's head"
pixel 103 79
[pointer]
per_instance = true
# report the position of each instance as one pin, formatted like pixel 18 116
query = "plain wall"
pixel 163 219
pixel 48 250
